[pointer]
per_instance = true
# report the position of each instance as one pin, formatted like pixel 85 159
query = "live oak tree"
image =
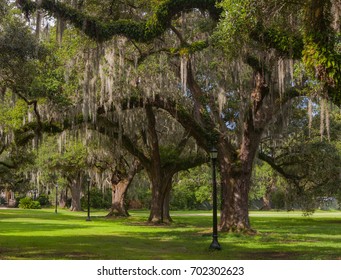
pixel 310 165
pixel 116 168
pixel 121 179
pixel 99 104
pixel 21 61
pixel 67 162
pixel 161 154
pixel 255 85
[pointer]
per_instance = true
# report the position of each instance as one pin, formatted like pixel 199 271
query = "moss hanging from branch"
pixel 287 44
pixel 319 54
pixel 139 31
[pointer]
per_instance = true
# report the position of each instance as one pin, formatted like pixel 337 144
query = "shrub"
pixel 29 203
pixel 2 201
pixel 98 199
pixel 43 200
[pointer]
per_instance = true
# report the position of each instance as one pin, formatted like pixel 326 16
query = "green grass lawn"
pixel 42 234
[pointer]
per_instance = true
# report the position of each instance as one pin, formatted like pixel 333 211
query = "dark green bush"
pixel 44 200
pixel 2 200
pixel 98 199
pixel 29 203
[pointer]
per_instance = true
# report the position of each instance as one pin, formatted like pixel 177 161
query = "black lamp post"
pixel 215 244
pixel 55 210
pixel 89 182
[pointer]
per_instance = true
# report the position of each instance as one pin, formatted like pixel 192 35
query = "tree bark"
pixel 62 198
pixel 236 180
pixel 161 188
pixel 235 206
pixel 267 196
pixel 76 189
pixel 166 204
pixel 118 207
pixel 120 184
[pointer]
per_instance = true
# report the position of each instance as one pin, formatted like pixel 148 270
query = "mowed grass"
pixel 42 234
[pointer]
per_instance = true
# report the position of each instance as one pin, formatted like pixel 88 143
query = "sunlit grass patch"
pixel 42 234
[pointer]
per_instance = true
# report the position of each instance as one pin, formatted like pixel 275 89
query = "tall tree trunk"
pixel 267 195
pixel 62 198
pixel 60 30
pixel 120 184
pixel 166 202
pixel 76 189
pixel 236 182
pixel 156 207
pixel 161 187
pixel 38 24
pixel 118 207
pixel 235 212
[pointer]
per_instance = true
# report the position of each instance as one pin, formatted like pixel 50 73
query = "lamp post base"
pixel 215 245
pixel 88 219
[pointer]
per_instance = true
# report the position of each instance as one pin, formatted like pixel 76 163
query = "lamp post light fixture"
pixel 215 244
pixel 55 210
pixel 89 182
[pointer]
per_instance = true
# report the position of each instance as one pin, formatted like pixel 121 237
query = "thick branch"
pixel 279 169
pixel 153 138
pixel 110 128
pixel 139 31
pixel 204 136
pixel 9 166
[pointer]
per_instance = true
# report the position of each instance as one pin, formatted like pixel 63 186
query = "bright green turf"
pixel 41 234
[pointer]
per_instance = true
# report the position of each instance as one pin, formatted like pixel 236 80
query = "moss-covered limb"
pixel 272 162
pixel 111 129
pixel 204 134
pixel 33 129
pixel 8 165
pixel 183 163
pixel 320 54
pixel 286 44
pixel 139 31
pixel 187 49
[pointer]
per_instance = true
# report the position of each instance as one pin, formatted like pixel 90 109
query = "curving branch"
pixel 110 128
pixel 143 31
pixel 9 166
pixel 269 160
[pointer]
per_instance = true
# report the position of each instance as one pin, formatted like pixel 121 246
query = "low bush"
pixel 98 199
pixel 29 203
pixel 44 200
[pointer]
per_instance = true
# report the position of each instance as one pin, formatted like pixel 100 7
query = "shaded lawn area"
pixel 42 234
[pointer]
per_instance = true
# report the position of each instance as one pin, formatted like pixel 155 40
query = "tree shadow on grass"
pixel 299 226
pixel 22 227
pixel 149 247
pixel 283 238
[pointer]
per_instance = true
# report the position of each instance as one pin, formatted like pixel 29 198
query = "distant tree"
pixel 308 161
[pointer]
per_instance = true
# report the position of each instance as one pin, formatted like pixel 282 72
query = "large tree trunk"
pixel 267 196
pixel 118 207
pixel 63 198
pixel 166 214
pixel 76 189
pixel 121 181
pixel 236 181
pixel 235 207
pixel 161 187
pixel 156 205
